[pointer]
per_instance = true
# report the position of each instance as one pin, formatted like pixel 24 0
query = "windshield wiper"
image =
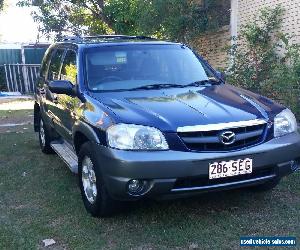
pixel 212 81
pixel 159 86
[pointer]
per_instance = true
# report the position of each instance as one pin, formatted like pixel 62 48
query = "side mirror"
pixel 221 75
pixel 62 87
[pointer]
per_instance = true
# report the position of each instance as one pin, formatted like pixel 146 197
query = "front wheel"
pixel 96 198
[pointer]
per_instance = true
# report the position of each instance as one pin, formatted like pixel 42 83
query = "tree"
pixel 69 16
pixel 180 20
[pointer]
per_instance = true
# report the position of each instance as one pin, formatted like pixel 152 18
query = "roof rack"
pixel 71 38
pixel 84 38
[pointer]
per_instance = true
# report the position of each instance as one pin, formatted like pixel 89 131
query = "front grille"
pixel 210 140
pixel 191 182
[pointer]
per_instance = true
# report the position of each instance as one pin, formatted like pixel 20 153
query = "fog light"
pixel 136 187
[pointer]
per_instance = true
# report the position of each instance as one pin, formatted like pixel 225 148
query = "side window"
pixel 69 68
pixel 55 64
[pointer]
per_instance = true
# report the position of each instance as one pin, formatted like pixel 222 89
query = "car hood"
pixel 168 109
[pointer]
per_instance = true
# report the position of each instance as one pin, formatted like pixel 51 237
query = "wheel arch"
pixel 36 117
pixel 82 133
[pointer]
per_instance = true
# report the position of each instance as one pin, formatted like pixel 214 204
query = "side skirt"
pixel 67 154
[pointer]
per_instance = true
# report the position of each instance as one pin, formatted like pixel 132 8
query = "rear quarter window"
pixel 45 63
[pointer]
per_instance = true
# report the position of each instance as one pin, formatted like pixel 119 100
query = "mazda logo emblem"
pixel 227 137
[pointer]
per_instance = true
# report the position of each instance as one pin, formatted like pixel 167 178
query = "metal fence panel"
pixel 21 77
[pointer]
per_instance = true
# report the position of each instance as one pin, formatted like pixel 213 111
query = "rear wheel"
pixel 96 198
pixel 269 185
pixel 44 138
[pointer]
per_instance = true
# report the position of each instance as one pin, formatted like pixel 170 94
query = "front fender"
pixel 86 130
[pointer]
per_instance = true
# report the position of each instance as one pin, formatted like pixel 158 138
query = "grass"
pixel 40 199
pixel 15 113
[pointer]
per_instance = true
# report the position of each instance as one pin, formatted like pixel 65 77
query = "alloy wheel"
pixel 89 180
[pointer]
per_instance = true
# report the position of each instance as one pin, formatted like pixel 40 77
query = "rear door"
pixel 52 98
pixel 41 81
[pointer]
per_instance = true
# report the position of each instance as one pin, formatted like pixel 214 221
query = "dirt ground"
pixel 16 115
pixel 16 103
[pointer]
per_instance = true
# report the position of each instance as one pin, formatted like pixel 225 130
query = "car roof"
pixel 102 40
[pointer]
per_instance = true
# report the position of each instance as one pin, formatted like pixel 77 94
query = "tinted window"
pixel 69 68
pixel 134 66
pixel 55 64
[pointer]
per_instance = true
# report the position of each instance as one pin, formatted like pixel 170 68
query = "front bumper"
pixel 164 170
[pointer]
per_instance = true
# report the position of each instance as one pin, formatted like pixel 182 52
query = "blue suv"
pixel 140 118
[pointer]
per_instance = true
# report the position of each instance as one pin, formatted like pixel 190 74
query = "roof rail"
pixel 71 38
pixel 83 38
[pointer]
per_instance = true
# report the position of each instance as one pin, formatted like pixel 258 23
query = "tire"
pixel 267 186
pixel 44 138
pixel 95 196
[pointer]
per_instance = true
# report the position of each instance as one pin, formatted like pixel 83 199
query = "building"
pixel 22 53
pixel 211 45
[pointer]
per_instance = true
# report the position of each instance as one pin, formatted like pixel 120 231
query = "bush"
pixel 265 61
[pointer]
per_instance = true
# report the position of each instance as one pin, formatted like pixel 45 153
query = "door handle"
pixel 55 98
pixel 69 105
pixel 42 91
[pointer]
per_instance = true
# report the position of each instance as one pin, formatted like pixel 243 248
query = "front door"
pixel 68 106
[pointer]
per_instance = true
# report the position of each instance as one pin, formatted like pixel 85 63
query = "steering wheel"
pixel 110 78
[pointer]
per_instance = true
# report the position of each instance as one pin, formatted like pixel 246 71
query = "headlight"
pixel 284 123
pixel 135 137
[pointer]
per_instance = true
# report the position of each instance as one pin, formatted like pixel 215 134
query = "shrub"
pixel 265 61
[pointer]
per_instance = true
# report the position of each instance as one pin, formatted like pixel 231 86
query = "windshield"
pixel 131 67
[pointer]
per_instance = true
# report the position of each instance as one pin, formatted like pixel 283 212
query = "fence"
pixel 21 77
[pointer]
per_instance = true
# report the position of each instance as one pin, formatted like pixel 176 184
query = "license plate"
pixel 230 168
